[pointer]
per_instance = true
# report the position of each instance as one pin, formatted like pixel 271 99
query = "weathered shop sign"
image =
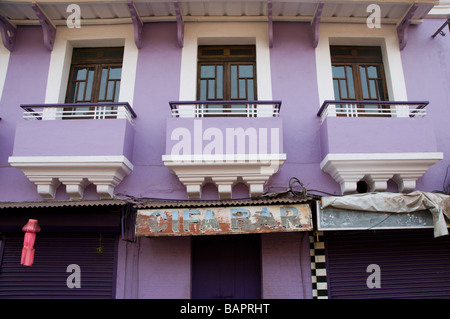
pixel 223 220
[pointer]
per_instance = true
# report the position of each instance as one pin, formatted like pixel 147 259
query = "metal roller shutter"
pixel 46 278
pixel 413 264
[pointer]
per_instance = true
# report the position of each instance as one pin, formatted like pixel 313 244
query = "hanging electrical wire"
pixel 295 189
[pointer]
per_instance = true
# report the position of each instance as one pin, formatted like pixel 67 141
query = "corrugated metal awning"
pixel 222 203
pixel 20 12
pixel 62 203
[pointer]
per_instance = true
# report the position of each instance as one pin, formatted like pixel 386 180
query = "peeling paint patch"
pixel 223 220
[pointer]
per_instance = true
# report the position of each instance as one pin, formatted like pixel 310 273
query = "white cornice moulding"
pixel 224 171
pixel 76 172
pixel 377 168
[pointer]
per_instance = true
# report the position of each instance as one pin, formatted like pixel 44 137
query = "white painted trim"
pixel 360 34
pixel 215 33
pixel 94 36
pixel 70 159
pixel 224 171
pixel 383 156
pixel 4 62
pixel 76 172
pixel 440 11
pixel 222 158
pixel 377 168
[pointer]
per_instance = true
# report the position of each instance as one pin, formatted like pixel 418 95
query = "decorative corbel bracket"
pixel 180 24
pixel 8 31
pixel 48 27
pixel 138 24
pixel 269 7
pixel 315 24
pixel 402 28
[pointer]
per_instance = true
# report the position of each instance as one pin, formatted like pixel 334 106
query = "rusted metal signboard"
pixel 223 220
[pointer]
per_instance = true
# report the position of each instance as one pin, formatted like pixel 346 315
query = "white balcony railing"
pixel 372 109
pixel 225 108
pixel 78 111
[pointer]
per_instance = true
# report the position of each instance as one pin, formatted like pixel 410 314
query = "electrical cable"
pixel 293 182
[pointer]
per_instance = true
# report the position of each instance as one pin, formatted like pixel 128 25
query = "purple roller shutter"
pixel 413 264
pixel 47 277
pixel 226 267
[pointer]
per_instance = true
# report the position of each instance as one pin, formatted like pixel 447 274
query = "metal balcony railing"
pixel 225 108
pixel 78 111
pixel 348 108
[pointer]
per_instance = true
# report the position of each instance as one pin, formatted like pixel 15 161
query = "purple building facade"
pixel 177 149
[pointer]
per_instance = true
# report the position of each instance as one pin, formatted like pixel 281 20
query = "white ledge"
pixel 76 172
pixel 224 171
pixel 377 168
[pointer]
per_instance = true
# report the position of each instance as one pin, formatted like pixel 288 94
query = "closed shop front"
pixel 387 264
pixel 231 249
pixel 226 267
pixel 75 251
pixel 59 259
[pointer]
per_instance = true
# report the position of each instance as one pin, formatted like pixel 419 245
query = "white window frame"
pixel 226 33
pixel 90 36
pixel 355 34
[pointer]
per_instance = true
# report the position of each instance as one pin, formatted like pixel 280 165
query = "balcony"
pixel 224 143
pixel 376 141
pixel 75 145
pixel 225 108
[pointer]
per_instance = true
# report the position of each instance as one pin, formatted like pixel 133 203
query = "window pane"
pixel 373 90
pixel 242 90
pixel 115 73
pixel 365 89
pixel 372 72
pixel 338 72
pixel 219 80
pixel 234 82
pixel 203 90
pixel 207 71
pixel 90 84
pixel 103 80
pixel 211 89
pixel 337 94
pixel 117 91
pixel 343 86
pixel 350 82
pixel 81 87
pixel 80 74
pixel 250 90
pixel 109 95
pixel 246 71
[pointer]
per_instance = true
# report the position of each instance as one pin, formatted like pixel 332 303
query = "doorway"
pixel 226 267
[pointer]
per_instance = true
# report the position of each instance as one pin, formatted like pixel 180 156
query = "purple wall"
pixel 163 265
pixel 254 131
pixel 286 266
pixel 74 138
pixel 429 80
pixel 165 268
pixel 25 82
pixel 377 135
pixel 294 82
pixel 157 83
